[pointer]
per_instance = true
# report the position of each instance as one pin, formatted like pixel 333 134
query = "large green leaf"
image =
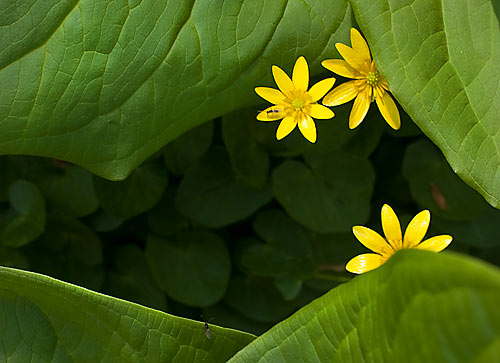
pixel 441 61
pixel 106 83
pixel 418 307
pixel 46 320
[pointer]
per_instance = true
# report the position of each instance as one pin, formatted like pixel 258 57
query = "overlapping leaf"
pixel 105 84
pixel 418 307
pixel 73 323
pixel 441 61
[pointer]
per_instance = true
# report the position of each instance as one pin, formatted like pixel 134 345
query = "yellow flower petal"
pixel 272 113
pixel 320 111
pixel 359 45
pixel 435 244
pixel 341 94
pixel 389 110
pixel 392 228
pixel 319 89
pixel 372 240
pixel 270 94
pixel 286 126
pixel 284 82
pixel 364 263
pixel 341 67
pixel 353 58
pixel 300 75
pixel 308 128
pixel 417 229
pixel 360 108
pixel 384 84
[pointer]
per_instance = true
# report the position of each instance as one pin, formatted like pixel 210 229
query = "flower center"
pixel 298 103
pixel 373 78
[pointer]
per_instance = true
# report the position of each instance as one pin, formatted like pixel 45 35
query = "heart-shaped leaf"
pixel 211 195
pixel 193 269
pixel 328 195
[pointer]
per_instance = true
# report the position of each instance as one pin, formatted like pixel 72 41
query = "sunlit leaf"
pixel 105 84
pixel 47 320
pixel 446 305
pixel 440 59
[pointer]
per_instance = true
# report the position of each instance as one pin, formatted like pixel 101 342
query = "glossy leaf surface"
pixel 106 84
pixel 441 61
pixel 72 323
pixel 446 305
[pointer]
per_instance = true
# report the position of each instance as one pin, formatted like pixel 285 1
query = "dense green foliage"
pixel 239 241
pixel 226 222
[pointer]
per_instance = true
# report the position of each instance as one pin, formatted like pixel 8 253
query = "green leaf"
pixel 481 232
pixel 418 307
pixel 12 257
pixel 164 219
pixel 257 299
pixel 434 185
pixel 366 138
pixel 193 269
pixel 249 159
pixel 135 195
pixel 102 221
pixel 105 86
pixel 210 194
pixel 180 154
pixel 287 253
pixel 131 278
pixel 47 320
pixel 25 219
pixel 71 190
pixel 328 195
pixel 332 134
pixel 440 59
pixel 68 250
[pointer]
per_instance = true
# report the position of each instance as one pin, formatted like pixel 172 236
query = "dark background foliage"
pixel 228 222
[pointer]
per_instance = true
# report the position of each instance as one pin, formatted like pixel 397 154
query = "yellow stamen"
pixel 373 78
pixel 298 104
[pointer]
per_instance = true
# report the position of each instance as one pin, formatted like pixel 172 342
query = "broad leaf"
pixel 105 84
pixel 418 307
pixel 441 61
pixel 131 278
pixel 193 268
pixel 68 250
pixel 250 160
pixel 25 219
pixel 257 299
pixel 328 195
pixel 43 319
pixel 210 194
pixel 180 154
pixel 135 195
pixel 433 184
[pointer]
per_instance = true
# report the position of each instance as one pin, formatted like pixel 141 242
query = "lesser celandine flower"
pixel 384 248
pixel 368 84
pixel 294 103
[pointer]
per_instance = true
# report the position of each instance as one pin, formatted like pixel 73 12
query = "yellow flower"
pixel 294 103
pixel 384 248
pixel 368 84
